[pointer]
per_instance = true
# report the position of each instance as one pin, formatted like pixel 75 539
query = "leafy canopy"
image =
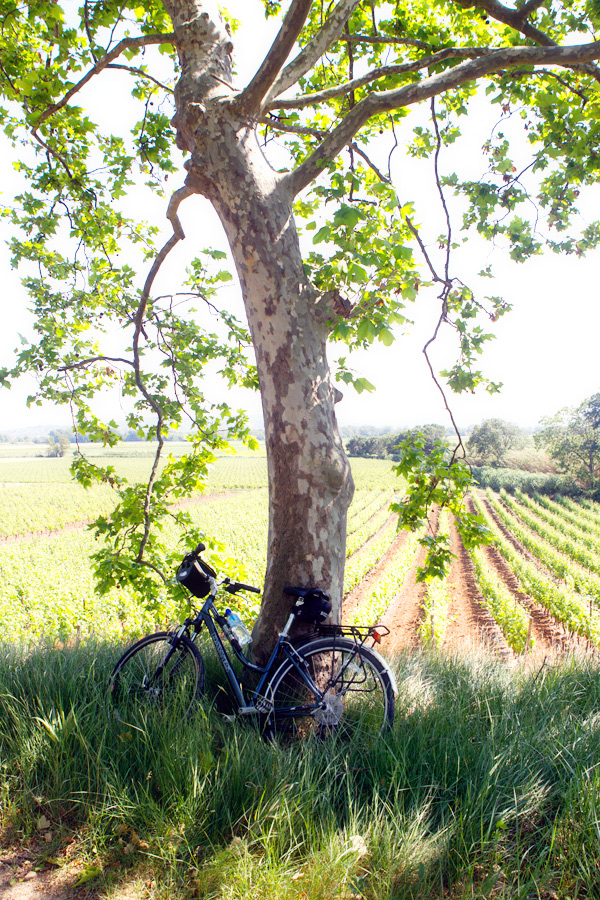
pixel 493 438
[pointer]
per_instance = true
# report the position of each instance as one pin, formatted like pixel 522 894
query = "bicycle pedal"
pixel 248 711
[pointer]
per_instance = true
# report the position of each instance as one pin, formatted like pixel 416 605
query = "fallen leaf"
pixel 357 844
pixel 42 823
pixel 87 875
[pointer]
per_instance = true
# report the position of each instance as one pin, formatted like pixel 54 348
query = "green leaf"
pixel 322 234
pixel 386 337
pixel 362 384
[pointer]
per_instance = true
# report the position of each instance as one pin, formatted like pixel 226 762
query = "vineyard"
pixel 534 591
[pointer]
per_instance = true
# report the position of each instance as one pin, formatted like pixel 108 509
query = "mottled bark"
pixel 310 484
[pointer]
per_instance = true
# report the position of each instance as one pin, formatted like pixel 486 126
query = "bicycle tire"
pixel 359 699
pixel 139 690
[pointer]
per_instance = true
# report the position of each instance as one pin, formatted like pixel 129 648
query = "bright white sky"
pixel 546 352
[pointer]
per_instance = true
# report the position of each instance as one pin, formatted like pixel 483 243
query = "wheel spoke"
pixel 150 681
pixel 355 699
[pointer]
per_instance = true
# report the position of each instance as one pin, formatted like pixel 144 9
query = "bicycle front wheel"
pixel 337 688
pixel 156 678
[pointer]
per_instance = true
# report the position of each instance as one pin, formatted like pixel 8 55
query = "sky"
pixel 546 351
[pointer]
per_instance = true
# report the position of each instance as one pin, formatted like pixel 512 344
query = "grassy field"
pixel 487 788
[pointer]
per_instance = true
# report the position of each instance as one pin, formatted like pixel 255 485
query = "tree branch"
pixel 436 169
pixel 280 125
pixel 177 235
pixel 354 146
pixel 380 72
pixel 82 363
pixel 386 39
pixel 126 44
pixel 314 50
pixel 176 198
pixel 446 282
pixel 88 30
pixel 141 74
pixel 517 19
pixel 583 97
pixel 529 7
pixel 251 97
pixel 384 101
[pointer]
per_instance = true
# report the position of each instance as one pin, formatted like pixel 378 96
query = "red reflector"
pixel 376 637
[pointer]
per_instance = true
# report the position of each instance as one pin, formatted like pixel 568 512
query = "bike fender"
pixel 387 668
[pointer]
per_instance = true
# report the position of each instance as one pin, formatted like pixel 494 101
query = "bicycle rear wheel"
pixel 155 680
pixel 353 694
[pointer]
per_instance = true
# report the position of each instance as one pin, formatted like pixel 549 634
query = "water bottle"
pixel 238 629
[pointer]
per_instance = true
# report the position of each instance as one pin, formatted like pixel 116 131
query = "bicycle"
pixel 328 682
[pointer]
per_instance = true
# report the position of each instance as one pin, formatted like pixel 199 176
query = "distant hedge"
pixel 528 482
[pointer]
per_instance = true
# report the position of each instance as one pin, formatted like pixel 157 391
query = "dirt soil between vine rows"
pixel 470 627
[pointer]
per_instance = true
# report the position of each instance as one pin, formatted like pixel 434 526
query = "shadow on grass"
pixel 488 786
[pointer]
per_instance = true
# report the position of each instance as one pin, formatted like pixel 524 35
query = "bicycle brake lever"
pixel 236 586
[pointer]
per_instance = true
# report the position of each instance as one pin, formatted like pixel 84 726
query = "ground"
pixel 470 625
pixel 26 874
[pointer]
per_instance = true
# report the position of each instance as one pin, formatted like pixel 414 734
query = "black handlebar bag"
pixel 194 574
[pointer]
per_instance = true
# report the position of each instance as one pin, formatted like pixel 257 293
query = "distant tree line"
pixel 22 439
pixel 385 446
pixel 350 431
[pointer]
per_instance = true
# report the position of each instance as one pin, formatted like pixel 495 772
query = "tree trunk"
pixel 310 483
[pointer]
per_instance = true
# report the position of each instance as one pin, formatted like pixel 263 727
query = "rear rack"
pixel 359 633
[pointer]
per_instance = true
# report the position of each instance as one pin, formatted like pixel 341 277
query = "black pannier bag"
pixel 194 573
pixel 314 607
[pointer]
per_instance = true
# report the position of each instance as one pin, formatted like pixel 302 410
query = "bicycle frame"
pixel 209 616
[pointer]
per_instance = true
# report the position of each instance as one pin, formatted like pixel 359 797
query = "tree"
pixel 572 439
pixel 493 439
pixel 58 443
pixel 432 436
pixel 367 446
pixel 336 77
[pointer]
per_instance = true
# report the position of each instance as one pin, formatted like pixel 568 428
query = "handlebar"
pixel 234 586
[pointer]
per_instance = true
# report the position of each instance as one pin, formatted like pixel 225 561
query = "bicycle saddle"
pixel 312 604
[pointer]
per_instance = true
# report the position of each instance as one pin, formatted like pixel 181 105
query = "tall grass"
pixel 488 786
pixel 529 482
